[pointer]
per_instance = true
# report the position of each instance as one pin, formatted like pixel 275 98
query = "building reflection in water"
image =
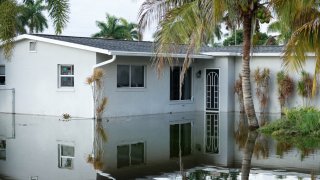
pixel 43 147
pixel 210 144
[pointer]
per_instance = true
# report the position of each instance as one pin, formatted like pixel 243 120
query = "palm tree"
pixel 284 31
pixel 193 20
pixel 32 15
pixel 132 32
pixel 306 33
pixel 117 28
pixel 9 10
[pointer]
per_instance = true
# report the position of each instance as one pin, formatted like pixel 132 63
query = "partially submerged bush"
pixel 297 121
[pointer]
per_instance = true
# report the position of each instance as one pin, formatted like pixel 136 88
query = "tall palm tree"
pixel 9 10
pixel 32 15
pixel 117 28
pixel 193 20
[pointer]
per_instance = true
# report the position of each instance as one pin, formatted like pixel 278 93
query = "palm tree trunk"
pixel 246 84
pixel 248 151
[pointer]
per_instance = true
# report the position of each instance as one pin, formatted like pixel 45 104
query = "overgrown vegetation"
pixel 100 102
pixel 304 87
pixel 262 79
pixel 285 88
pixel 304 121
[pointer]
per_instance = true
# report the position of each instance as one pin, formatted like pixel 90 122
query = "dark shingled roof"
pixel 148 47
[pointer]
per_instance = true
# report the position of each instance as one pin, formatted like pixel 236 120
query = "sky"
pixel 85 13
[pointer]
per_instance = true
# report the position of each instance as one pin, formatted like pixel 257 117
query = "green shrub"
pixel 297 121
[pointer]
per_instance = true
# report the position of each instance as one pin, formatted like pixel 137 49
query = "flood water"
pixel 194 145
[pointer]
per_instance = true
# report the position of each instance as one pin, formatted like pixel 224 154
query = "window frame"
pixel 3 149
pixel 129 155
pixel 130 75
pixel 61 157
pixel 191 85
pixel 60 76
pixel 35 46
pixel 3 75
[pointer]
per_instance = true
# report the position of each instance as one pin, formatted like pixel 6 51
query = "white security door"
pixel 212 90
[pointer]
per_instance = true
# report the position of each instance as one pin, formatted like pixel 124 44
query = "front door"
pixel 212 89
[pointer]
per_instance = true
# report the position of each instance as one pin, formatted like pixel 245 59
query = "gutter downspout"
pixel 114 57
pixel 105 62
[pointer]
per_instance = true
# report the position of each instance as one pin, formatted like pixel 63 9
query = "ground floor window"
pixel 2 75
pixel 180 139
pixel 130 154
pixel 66 156
pixel 66 75
pixel 132 76
pixel 175 83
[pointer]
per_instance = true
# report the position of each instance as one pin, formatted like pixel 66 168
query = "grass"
pixel 304 121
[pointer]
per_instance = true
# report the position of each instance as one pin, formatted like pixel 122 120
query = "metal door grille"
pixel 212 90
pixel 212 133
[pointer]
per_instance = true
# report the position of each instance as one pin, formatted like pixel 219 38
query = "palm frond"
pixel 59 12
pixel 8 24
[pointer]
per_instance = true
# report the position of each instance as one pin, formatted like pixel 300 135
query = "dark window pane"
pixel 123 76
pixel 137 153
pixel 2 80
pixel 185 139
pixel 186 87
pixel 66 70
pixel 174 83
pixel 123 156
pixel 2 70
pixel 137 76
pixel 67 81
pixel 174 140
pixel 2 149
pixel 67 150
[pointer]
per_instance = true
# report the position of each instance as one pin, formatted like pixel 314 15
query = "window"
pixel 66 156
pixel 32 46
pixel 130 76
pixel 3 146
pixel 66 76
pixel 180 139
pixel 130 154
pixel 175 81
pixel 2 75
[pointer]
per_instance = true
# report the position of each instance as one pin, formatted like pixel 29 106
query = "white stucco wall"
pixel 275 65
pixel 34 76
pixel 153 99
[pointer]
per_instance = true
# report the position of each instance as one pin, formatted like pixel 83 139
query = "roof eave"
pixel 151 54
pixel 62 43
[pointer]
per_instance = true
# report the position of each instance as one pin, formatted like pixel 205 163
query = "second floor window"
pixel 130 76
